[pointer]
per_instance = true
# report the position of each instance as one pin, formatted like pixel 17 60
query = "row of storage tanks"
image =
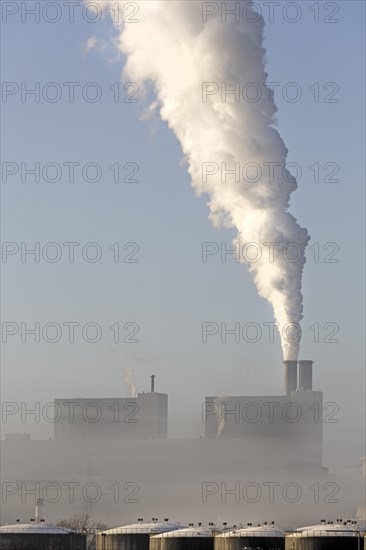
pixel 167 536
pixel 173 536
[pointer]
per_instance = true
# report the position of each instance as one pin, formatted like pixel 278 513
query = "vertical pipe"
pixel 152 383
pixel 290 376
pixel 39 506
pixel 306 375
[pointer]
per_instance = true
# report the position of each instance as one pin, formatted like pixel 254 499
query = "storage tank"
pixel 190 538
pixel 261 537
pixel 40 536
pixel 132 537
pixel 326 536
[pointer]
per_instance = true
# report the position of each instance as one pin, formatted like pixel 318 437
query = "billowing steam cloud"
pixel 130 382
pixel 184 54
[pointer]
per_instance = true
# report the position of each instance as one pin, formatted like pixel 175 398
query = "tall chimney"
pixel 290 376
pixel 306 375
pixel 153 376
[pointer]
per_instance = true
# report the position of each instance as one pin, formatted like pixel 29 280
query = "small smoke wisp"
pixel 179 52
pixel 129 381
pixel 220 413
pixel 361 508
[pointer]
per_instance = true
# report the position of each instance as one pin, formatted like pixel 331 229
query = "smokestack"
pixel 290 376
pixel 153 376
pixel 306 375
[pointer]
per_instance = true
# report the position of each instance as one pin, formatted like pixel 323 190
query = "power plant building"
pixel 294 419
pixel 141 417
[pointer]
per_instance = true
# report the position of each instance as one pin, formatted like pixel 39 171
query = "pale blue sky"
pixel 170 292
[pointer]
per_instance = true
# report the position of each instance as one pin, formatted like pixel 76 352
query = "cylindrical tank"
pixel 325 536
pixel 132 537
pixel 305 375
pixel 263 537
pixel 40 536
pixel 191 538
pixel 290 376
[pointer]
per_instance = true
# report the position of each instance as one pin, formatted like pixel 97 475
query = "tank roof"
pixel 35 529
pixel 186 532
pixel 142 528
pixel 255 531
pixel 326 530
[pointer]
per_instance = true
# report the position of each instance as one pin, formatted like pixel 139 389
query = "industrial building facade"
pixel 141 417
pixel 295 419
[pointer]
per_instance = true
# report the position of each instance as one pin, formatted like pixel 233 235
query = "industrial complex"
pixel 260 457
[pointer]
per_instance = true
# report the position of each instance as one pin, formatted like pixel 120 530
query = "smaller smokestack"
pixel 290 376
pixel 153 376
pixel 306 375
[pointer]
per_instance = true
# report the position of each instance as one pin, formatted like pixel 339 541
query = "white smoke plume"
pixel 172 48
pixel 130 382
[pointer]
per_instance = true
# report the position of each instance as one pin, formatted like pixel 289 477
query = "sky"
pixel 153 283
